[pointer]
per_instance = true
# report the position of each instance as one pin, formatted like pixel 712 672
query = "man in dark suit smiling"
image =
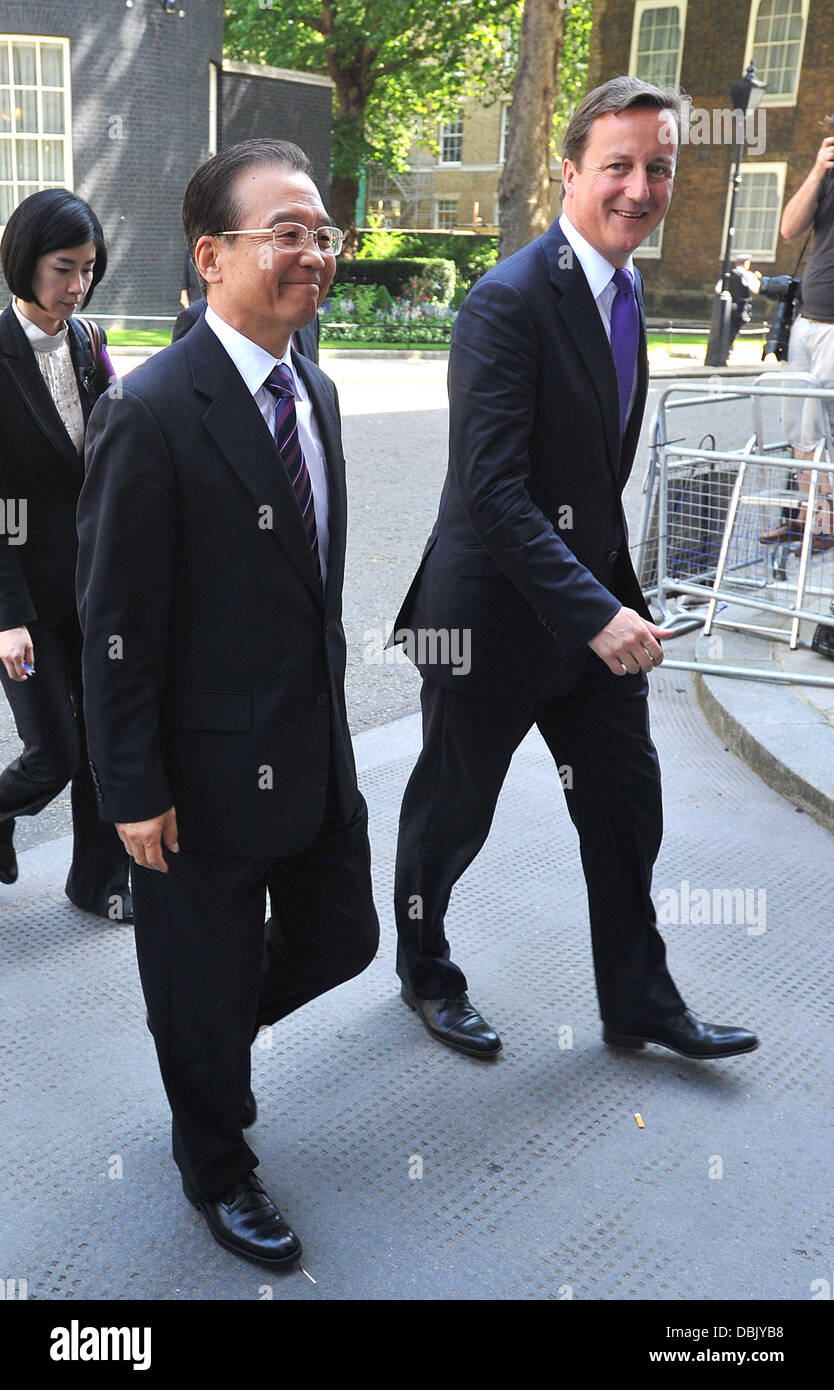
pixel 529 559
pixel 212 546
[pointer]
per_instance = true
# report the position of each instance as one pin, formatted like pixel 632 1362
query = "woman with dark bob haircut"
pixel 52 371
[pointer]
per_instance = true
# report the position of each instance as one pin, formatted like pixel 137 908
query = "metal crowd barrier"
pixel 749 528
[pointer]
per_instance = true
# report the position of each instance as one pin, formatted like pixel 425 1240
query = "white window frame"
pixel 776 98
pixel 510 51
pixel 438 224
pixel 442 129
pixel 640 9
pixel 651 253
pixel 39 136
pixel 503 131
pixel 738 248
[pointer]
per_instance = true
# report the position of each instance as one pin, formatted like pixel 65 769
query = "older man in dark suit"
pixel 527 592
pixel 212 547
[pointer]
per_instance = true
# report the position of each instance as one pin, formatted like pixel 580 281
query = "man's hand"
pixel 143 839
pixel 825 157
pixel 15 649
pixel 628 644
pixel 799 213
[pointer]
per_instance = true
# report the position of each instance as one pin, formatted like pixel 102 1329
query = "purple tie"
pixel 280 384
pixel 625 336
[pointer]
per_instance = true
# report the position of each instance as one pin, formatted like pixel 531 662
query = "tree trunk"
pixel 344 190
pixel 524 189
pixel 596 75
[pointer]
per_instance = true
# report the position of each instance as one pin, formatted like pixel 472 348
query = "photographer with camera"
pixel 811 346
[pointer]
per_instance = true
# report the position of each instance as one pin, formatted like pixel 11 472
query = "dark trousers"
pixel 213 973
pixel 47 710
pixel 598 734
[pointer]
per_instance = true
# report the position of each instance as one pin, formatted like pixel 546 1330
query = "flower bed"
pixel 370 315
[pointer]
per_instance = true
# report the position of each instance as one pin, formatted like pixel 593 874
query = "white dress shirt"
pixel 254 364
pixel 600 276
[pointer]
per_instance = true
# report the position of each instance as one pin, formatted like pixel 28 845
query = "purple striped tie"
pixel 280 384
pixel 625 336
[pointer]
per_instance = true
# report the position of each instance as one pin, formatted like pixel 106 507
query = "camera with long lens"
pixel 787 291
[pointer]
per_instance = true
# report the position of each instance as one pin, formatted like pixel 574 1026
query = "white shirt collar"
pixel 252 361
pixel 40 341
pixel 598 271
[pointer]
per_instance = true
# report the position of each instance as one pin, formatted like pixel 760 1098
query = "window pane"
pixel 53 161
pixel 5 109
pixel 757 212
pixel 53 112
pixel 23 58
pixel 658 45
pixel 25 189
pixel 52 65
pixel 5 160
pixel 26 110
pixel 6 204
pixel 777 45
pixel 4 62
pixel 451 141
pixel 26 154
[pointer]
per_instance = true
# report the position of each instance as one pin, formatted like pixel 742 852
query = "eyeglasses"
pixel 292 236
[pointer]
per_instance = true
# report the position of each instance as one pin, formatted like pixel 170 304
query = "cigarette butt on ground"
pixel 639 1119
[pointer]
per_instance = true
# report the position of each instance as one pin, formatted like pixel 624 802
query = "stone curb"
pixel 763 742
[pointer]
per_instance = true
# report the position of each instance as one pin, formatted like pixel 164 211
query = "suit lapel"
pixel 237 427
pixel 328 422
pixel 18 359
pixel 580 315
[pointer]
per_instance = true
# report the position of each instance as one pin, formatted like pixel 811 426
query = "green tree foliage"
pixel 391 62
pixel 573 64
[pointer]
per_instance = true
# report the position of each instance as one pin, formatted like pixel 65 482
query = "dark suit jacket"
pixel 524 554
pixel 305 340
pixel 213 664
pixel 38 463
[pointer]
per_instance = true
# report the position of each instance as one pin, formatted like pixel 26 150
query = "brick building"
pixel 458 186
pixel 120 100
pixel 701 45
pixel 704 45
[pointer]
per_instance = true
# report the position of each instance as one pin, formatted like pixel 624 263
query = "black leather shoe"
pixel 456 1023
pixel 8 858
pixel 246 1221
pixel 685 1034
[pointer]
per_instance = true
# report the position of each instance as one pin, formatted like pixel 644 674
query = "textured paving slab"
pixel 536 1181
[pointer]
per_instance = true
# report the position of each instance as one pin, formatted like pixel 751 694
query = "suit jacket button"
pixel 321 699
pixel 612 555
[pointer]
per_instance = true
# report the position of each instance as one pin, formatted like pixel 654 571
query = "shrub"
pixel 437 274
pixel 380 244
pixel 472 254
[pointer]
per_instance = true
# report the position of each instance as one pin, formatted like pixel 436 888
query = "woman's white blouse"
pixel 52 354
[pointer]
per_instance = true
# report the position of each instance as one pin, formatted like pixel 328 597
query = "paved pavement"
pixel 411 1172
